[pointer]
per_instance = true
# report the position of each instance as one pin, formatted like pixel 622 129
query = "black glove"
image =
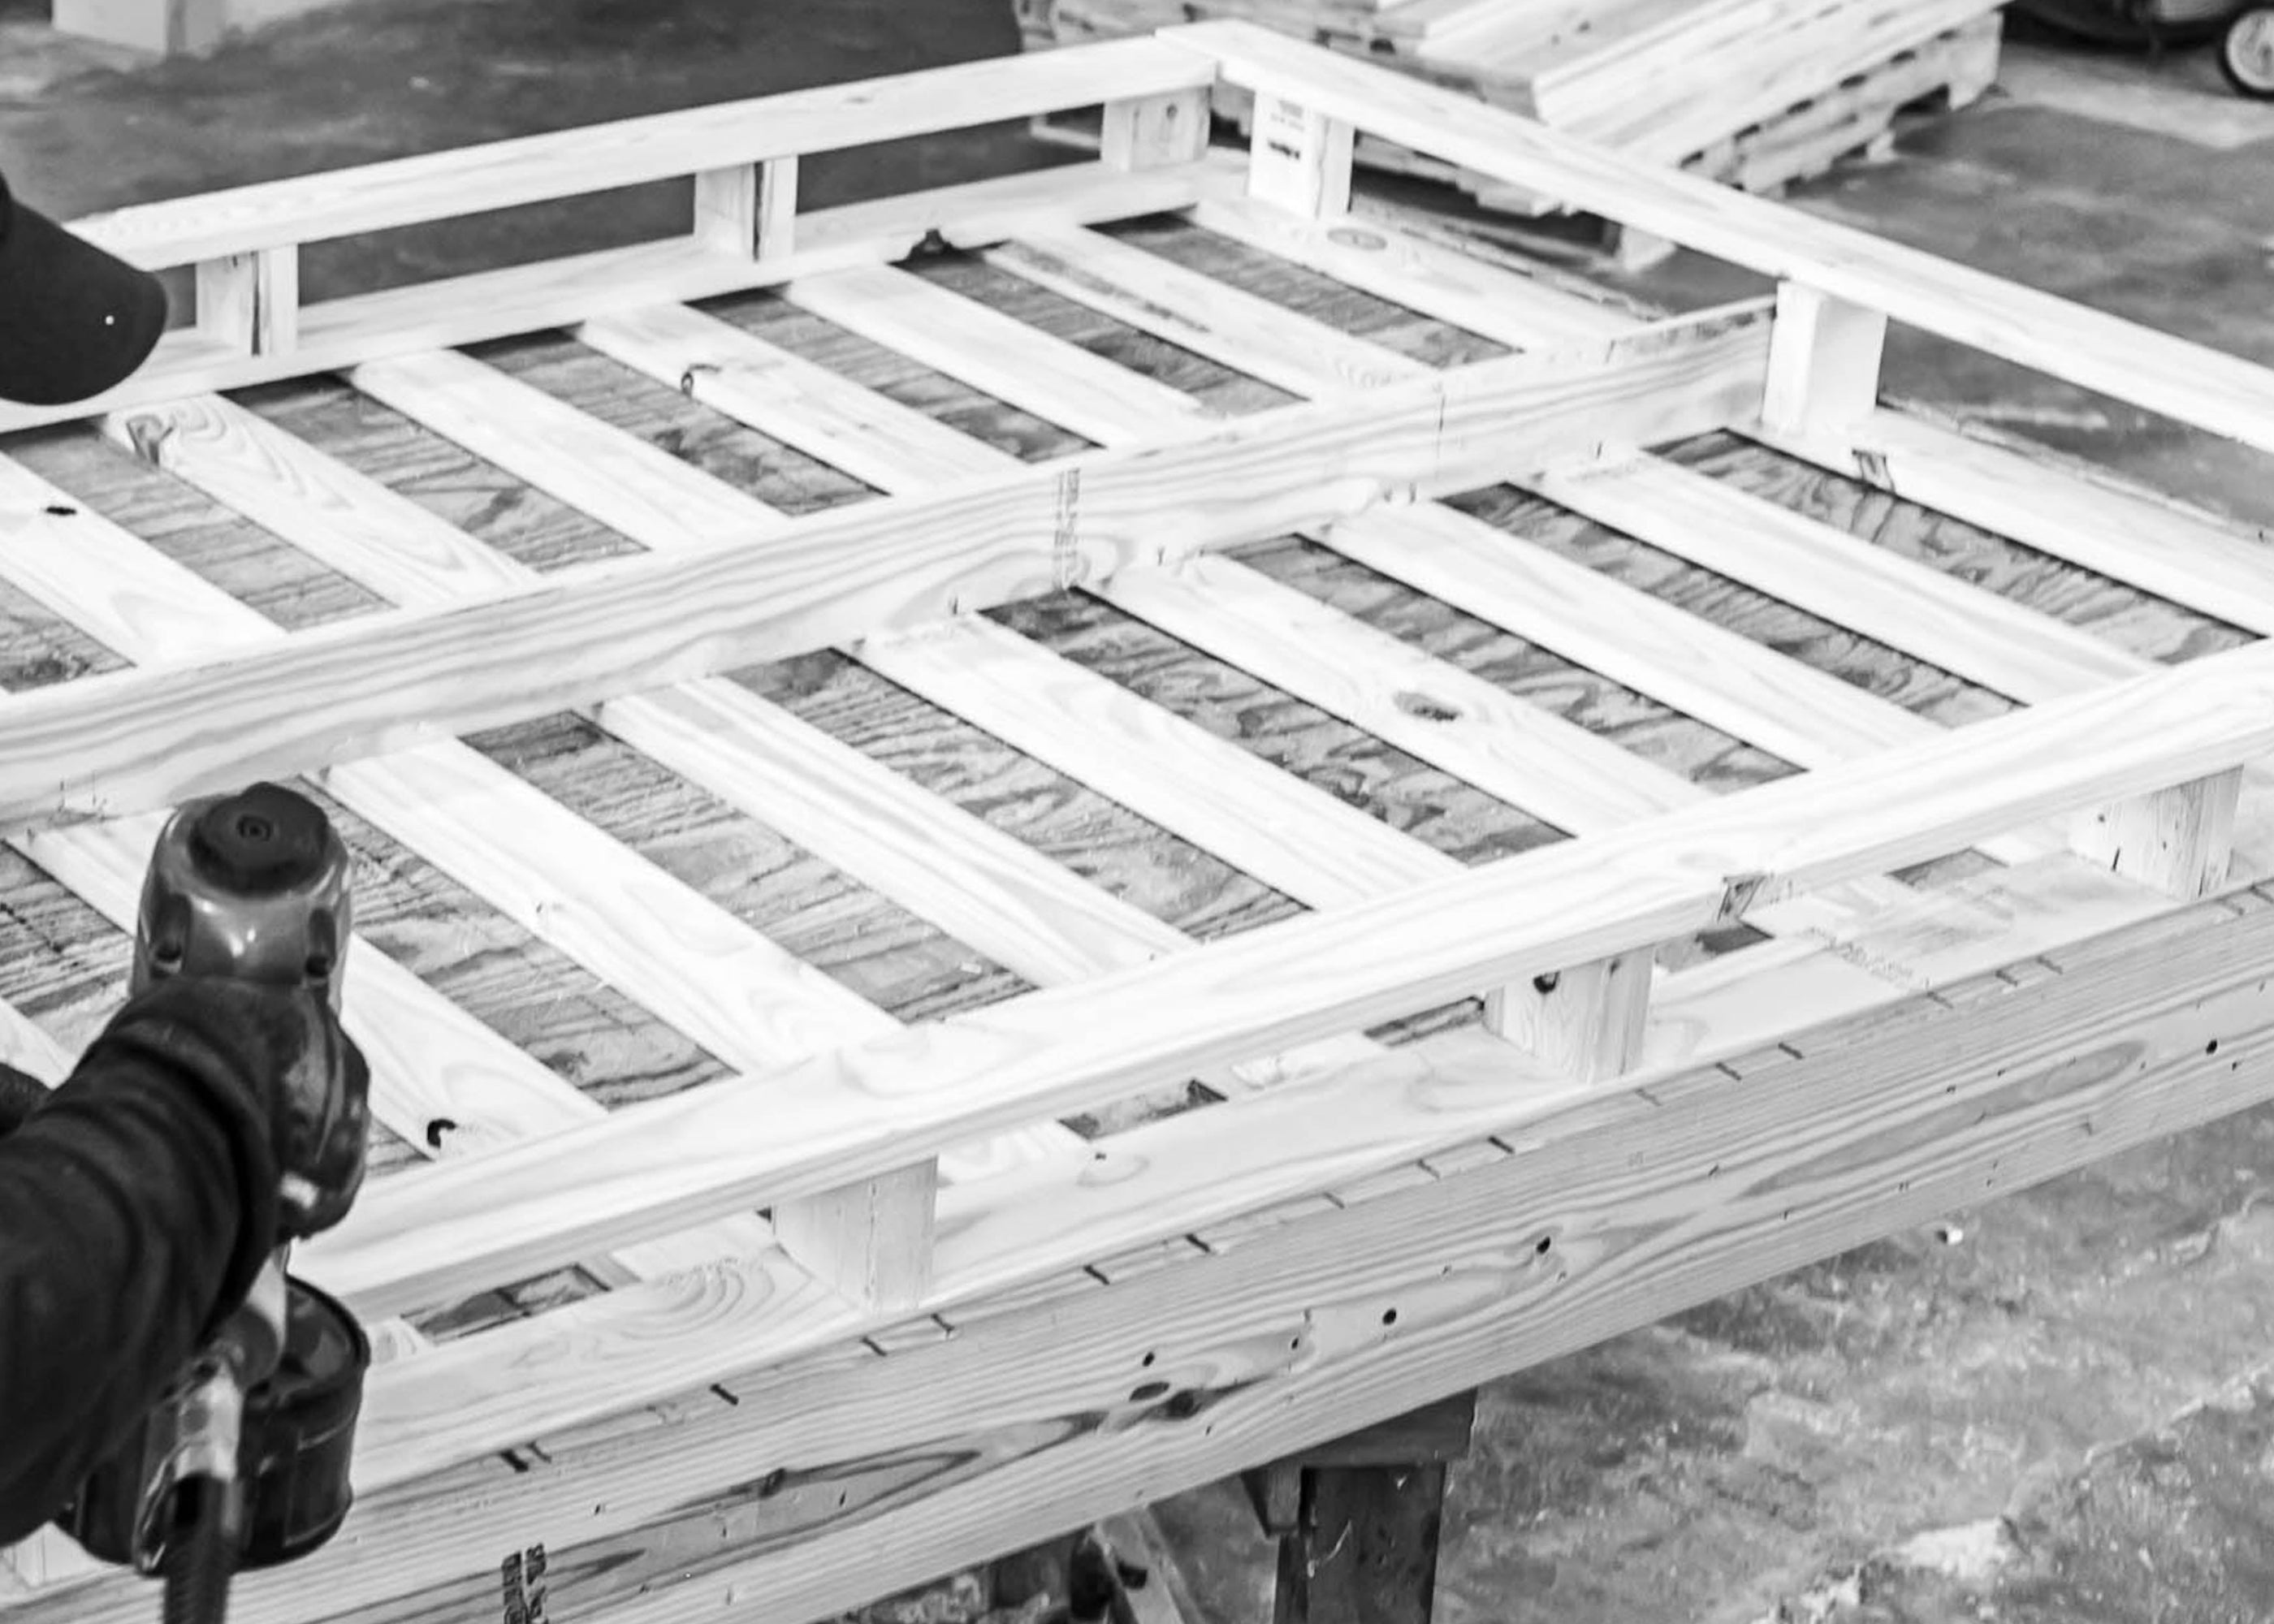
pixel 303 1077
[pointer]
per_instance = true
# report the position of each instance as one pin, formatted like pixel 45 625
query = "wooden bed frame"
pixel 1634 1042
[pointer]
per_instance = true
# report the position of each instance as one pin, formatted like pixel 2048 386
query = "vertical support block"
pixel 872 1242
pixel 251 301
pixel 1824 361
pixel 1298 159
pixel 1586 1022
pixel 1150 132
pixel 748 209
pixel 166 25
pixel 2178 840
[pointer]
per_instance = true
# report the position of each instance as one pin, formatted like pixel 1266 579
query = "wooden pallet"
pixel 1575 900
pixel 1755 93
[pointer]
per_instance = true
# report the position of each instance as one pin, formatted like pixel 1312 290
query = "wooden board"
pixel 994 882
pixel 1755 93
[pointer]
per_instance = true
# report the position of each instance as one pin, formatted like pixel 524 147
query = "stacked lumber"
pixel 1755 94
pixel 981 897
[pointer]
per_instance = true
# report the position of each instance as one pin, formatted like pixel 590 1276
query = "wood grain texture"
pixel 852 1114
pixel 2180 379
pixel 597 157
pixel 837 576
pixel 1785 1144
pixel 1503 1302
pixel 479 305
pixel 2061 509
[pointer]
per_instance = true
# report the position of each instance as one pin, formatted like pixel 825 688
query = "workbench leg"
pixel 1364 1549
pixel 1359 1520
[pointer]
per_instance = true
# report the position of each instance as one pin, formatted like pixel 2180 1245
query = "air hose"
pixel 200 1554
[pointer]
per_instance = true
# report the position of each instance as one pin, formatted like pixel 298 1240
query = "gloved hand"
pixel 308 1084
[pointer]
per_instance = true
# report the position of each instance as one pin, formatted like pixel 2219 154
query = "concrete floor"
pixel 2058 1408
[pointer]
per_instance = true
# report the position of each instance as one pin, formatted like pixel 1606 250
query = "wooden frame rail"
pixel 961 1326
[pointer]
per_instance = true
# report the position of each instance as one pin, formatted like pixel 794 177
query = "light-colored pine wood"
pixel 655 1167
pixel 484 305
pixel 1214 317
pixel 1822 1112
pixel 1185 1172
pixel 1376 255
pixel 1300 157
pixel 443 1081
pixel 1926 613
pixel 938 328
pixel 1144 133
pixel 1586 1021
pixel 113 743
pixel 868 435
pixel 2068 509
pixel 251 301
pixel 660 147
pixel 1608 1273
pixel 2181 379
pixel 2179 840
pixel 354 524
pixel 1824 361
pixel 1173 772
pixel 748 209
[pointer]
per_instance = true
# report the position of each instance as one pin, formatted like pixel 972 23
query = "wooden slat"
pixel 114 743
pixel 1177 1175
pixel 350 522
pixel 433 1062
pixel 1211 791
pixel 635 489
pixel 1037 919
pixel 485 305
pixel 868 435
pixel 2180 379
pixel 1433 711
pixel 1371 253
pixel 841 1118
pixel 1903 1147
pixel 1198 311
pixel 699 968
pixel 1767 696
pixel 1179 1172
pixel 2191 557
pixel 1724 680
pixel 596 157
pixel 999 895
pixel 940 329
pixel 1908 605
pixel 655 1340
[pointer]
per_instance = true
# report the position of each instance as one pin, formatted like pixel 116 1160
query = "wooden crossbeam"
pixel 627 152
pixel 1918 1145
pixel 444 1082
pixel 465 309
pixel 2187 381
pixel 113 742
pixel 1181 1173
pixel 850 1115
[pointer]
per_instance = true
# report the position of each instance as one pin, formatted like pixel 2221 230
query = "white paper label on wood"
pixel 1299 160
